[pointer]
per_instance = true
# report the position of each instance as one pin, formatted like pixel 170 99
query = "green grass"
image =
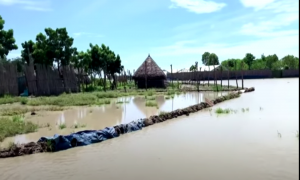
pixel 151 98
pixel 12 111
pixel 62 126
pixel 222 111
pixel 171 92
pixel 217 88
pixel 24 101
pixel 15 125
pixel 122 102
pixel 162 113
pixel 167 97
pixel 85 99
pixel 151 103
pixel 7 99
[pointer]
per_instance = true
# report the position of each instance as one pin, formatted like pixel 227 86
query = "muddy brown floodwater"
pixel 239 146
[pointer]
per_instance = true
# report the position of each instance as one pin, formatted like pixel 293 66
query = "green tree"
pixel 277 65
pixel 290 62
pixel 258 64
pixel 241 65
pixel 7 40
pixel 42 53
pixel 205 58
pixel 114 66
pixel 54 46
pixel 249 58
pixel 28 48
pixel 212 60
pixel 270 60
pixel 230 64
pixel 192 68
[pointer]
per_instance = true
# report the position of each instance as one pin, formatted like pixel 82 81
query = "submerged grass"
pixel 151 98
pixel 21 110
pixel 76 125
pixel 151 103
pixel 62 126
pixel 82 99
pixel 15 125
pixel 222 111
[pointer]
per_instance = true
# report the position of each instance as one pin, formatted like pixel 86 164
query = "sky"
pixel 173 32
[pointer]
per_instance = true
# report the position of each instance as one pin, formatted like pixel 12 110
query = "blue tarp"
pixel 83 138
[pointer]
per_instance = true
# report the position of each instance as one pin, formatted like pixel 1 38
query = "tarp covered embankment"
pixel 83 138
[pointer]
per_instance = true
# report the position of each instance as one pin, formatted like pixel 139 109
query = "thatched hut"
pixel 149 71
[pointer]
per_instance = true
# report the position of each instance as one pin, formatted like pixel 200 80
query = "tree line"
pixel 55 48
pixel 250 62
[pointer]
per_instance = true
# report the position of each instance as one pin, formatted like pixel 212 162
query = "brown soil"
pixel 23 149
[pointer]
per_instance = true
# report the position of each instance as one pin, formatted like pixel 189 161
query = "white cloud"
pixel 256 4
pixel 197 6
pixel 86 34
pixel 282 14
pixel 42 5
pixel 277 45
pixel 275 5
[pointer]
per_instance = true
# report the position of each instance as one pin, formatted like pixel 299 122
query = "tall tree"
pixel 114 66
pixel 258 64
pixel 212 60
pixel 290 62
pixel 42 53
pixel 192 68
pixel 270 60
pixel 28 48
pixel 205 58
pixel 248 59
pixel 7 40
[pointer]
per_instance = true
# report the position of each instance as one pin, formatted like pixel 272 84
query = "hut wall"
pixel 160 83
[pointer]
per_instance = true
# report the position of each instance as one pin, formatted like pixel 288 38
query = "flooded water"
pixel 242 145
pixel 103 116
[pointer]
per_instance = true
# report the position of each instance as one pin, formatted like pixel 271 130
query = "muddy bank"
pixel 82 138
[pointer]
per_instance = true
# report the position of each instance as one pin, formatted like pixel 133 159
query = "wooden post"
pixel 228 78
pixel 208 75
pixel 221 75
pixel 242 74
pixel 146 74
pixel 237 85
pixel 172 76
pixel 196 77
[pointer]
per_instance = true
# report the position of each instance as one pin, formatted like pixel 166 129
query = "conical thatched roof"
pixel 152 69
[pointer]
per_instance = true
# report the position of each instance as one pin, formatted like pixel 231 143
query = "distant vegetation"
pixel 250 62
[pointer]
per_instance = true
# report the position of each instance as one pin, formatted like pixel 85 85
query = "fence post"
pixel 172 76
pixel 146 74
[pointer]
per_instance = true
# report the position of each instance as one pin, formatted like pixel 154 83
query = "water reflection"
pixel 99 117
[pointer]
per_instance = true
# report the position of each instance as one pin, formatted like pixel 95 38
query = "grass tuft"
pixel 15 125
pixel 62 126
pixel 151 103
pixel 222 111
